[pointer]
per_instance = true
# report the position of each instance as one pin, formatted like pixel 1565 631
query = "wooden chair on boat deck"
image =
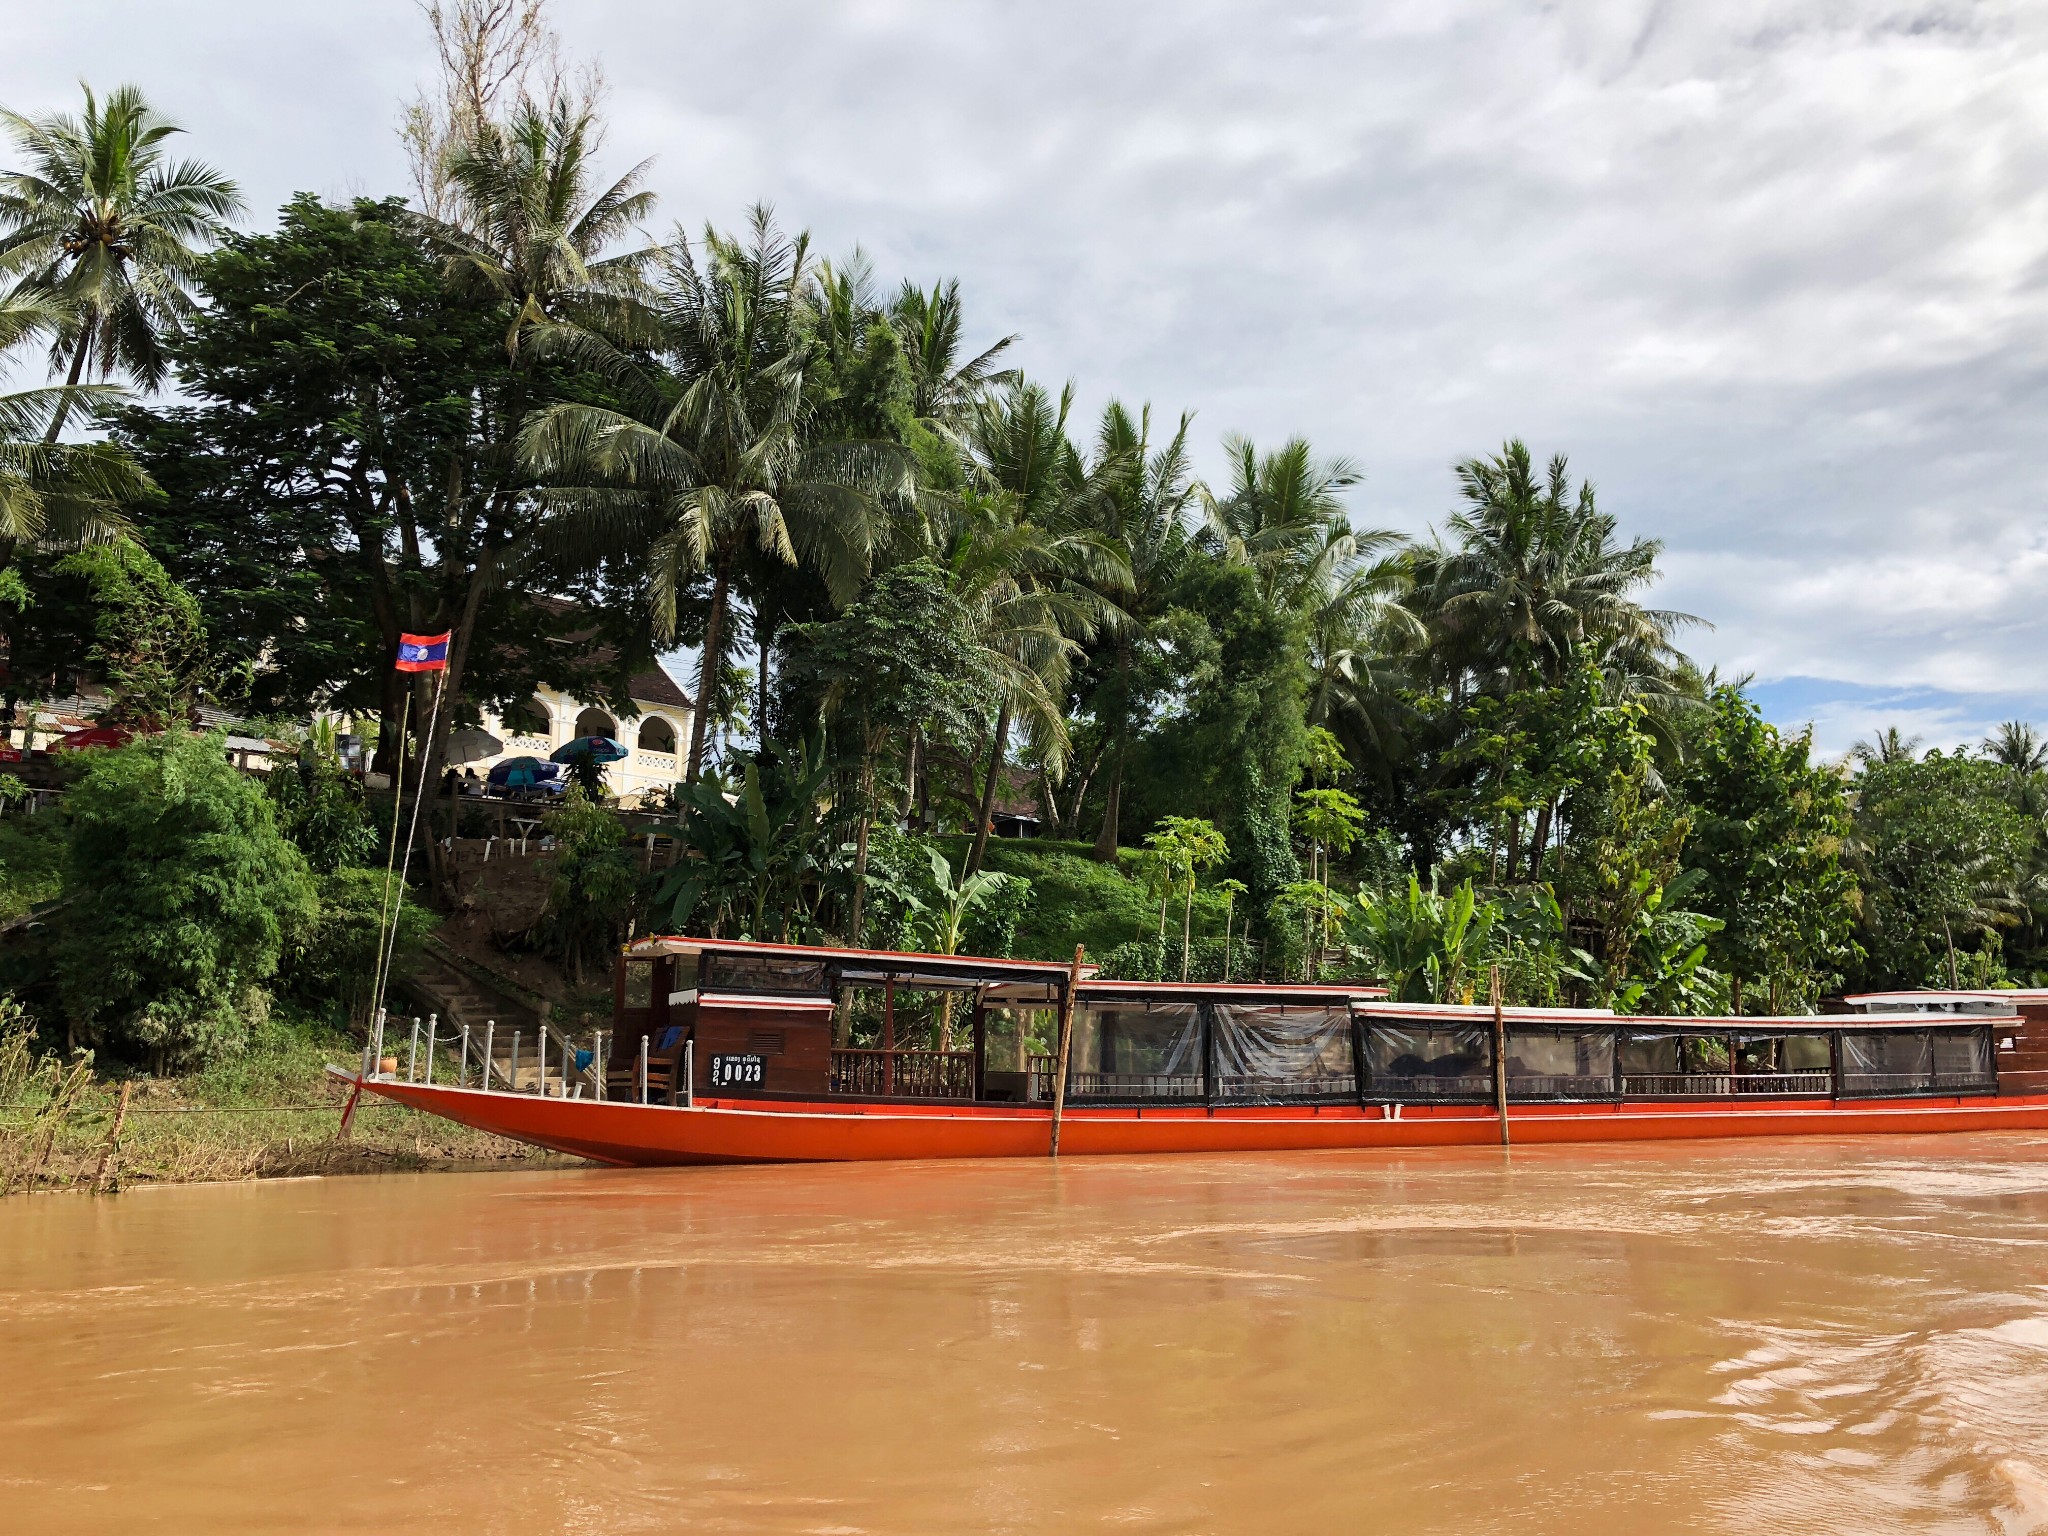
pixel 664 1065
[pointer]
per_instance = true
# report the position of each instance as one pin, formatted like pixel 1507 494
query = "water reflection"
pixel 1774 1337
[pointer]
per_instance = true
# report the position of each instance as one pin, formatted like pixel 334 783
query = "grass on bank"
pixel 270 1112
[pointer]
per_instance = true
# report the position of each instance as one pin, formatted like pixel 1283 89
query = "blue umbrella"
pixel 600 749
pixel 519 772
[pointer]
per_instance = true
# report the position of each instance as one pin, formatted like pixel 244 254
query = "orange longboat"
pixel 729 1052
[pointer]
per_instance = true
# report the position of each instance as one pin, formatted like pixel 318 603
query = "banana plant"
pixel 1427 946
pixel 752 845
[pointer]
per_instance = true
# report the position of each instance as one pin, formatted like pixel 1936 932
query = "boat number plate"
pixel 743 1071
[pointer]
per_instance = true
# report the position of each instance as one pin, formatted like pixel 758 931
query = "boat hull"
pixel 753 1131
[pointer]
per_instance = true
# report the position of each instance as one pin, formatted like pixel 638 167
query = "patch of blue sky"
pixel 1843 714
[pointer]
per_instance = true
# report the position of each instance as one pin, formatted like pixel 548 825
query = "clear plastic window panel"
pixel 1418 1061
pixel 1887 1061
pixel 1560 1064
pixel 1137 1052
pixel 1275 1055
pixel 1799 1065
pixel 790 977
pixel 1962 1059
pixel 1661 1065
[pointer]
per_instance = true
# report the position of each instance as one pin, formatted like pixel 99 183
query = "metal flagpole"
pixel 419 794
pixel 391 858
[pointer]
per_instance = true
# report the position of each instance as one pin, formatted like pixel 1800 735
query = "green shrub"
pixel 182 899
pixel 335 964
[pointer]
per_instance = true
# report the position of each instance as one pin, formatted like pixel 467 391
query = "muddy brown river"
pixel 1819 1336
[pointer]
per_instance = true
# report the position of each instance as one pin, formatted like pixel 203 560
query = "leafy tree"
pixel 1182 847
pixel 1936 844
pixel 1331 820
pixel 341 476
pixel 333 964
pixel 183 897
pixel 1233 749
pixel 595 887
pixel 945 387
pixel 901 660
pixel 110 229
pixel 320 808
pixel 1767 838
pixel 149 641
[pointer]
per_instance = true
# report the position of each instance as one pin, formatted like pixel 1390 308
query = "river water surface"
pixel 1817 1336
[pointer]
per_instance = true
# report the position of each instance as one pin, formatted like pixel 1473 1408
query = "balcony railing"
pixel 904 1074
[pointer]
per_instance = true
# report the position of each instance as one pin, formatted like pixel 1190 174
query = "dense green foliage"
pixel 181 899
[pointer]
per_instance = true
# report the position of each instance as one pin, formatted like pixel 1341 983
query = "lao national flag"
pixel 423 653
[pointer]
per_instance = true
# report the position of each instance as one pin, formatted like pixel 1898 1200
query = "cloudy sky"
pixel 1772 274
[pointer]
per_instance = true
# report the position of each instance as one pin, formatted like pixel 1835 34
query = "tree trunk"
pixel 910 779
pixel 860 846
pixel 924 786
pixel 988 792
pixel 1187 928
pixel 1539 841
pixel 1112 804
pixel 764 635
pixel 70 383
pixel 707 668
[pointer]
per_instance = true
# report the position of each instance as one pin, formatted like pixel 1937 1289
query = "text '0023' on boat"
pixel 726 1052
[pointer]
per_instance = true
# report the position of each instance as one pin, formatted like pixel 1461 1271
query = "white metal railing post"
pixel 512 1076
pixel 412 1051
pixel 540 1073
pixel 462 1067
pixel 690 1073
pixel 433 1024
pixel 377 1047
pixel 490 1055
pixel 643 1069
pixel 597 1063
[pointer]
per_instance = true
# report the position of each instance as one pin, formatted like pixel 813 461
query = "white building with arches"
pixel 656 732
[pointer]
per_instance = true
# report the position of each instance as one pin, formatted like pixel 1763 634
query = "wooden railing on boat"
pixel 903 1074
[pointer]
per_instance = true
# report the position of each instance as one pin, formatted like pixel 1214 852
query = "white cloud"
pixel 1772 275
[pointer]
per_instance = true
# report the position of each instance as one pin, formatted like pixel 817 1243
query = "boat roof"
pixel 1100 990
pixel 1753 1024
pixel 1927 999
pixel 880 963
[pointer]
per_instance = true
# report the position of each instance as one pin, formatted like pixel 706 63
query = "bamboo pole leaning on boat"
pixel 1059 1070
pixel 1500 1054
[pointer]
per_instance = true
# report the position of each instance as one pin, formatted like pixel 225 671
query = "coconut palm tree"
pixel 1284 517
pixel 708 457
pixel 529 225
pixel 1534 573
pixel 2019 747
pixel 1889 746
pixel 108 227
pixel 1145 511
pixel 1033 567
pixel 945 387
pixel 56 495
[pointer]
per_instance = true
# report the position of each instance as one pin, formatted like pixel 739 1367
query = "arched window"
pixel 595 722
pixel 657 735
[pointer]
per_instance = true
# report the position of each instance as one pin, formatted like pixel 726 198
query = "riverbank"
pixel 270 1113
